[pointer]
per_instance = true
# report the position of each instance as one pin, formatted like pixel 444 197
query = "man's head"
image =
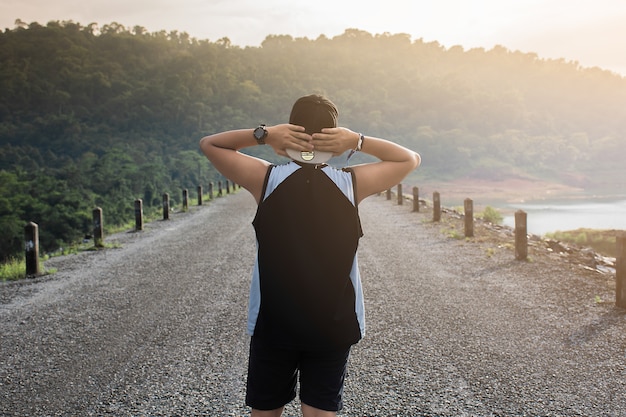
pixel 314 112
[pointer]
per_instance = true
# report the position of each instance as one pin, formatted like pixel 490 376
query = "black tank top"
pixel 308 233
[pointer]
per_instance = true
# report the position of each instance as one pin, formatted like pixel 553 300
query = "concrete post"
pixel 436 206
pixel 469 217
pixel 521 236
pixel 138 214
pixel 166 206
pixel 620 271
pixel 98 228
pixel 31 246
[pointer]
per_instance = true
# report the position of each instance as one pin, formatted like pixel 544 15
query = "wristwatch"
pixel 260 133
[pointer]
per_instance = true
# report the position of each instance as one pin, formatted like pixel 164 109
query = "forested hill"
pixel 98 116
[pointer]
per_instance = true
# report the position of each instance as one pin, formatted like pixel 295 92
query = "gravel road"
pixel 455 327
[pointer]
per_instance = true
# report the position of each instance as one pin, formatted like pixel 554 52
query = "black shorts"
pixel 273 373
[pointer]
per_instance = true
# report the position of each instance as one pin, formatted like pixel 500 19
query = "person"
pixel 306 303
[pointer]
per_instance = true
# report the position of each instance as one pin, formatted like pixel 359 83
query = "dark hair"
pixel 314 112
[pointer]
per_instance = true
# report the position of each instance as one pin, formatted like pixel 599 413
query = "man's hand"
pixel 336 140
pixel 288 136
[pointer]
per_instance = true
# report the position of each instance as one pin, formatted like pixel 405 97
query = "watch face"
pixel 259 133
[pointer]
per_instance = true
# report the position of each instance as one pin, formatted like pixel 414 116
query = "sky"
pixel 590 32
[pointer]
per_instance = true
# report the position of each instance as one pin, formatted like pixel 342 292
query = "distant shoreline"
pixel 507 192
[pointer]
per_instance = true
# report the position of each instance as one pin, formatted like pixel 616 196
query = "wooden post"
pixel 166 206
pixel 31 246
pixel 620 271
pixel 436 206
pixel 521 236
pixel 98 228
pixel 210 190
pixel 227 187
pixel 389 194
pixel 469 217
pixel 219 188
pixel 185 199
pixel 416 199
pixel 199 195
pixel 138 214
pixel 400 196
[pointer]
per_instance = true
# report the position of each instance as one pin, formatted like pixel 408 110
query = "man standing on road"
pixel 306 303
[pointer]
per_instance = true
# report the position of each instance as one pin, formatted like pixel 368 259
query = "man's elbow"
pixel 206 145
pixel 413 161
pixel 418 159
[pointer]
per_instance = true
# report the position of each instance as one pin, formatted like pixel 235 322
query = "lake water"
pixel 546 217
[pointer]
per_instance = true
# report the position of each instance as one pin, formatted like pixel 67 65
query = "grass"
pixel 601 241
pixel 150 214
pixel 450 229
pixel 155 213
pixel 15 269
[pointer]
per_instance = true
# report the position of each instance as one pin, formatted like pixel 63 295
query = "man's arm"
pixel 222 149
pixel 396 161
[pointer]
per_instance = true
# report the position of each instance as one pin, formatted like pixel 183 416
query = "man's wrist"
pixel 359 143
pixel 358 146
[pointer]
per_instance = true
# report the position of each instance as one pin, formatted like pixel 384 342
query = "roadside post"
pixel 469 217
pixel 436 206
pixel 185 199
pixel 98 228
pixel 31 246
pixel 620 271
pixel 138 214
pixel 521 236
pixel 166 206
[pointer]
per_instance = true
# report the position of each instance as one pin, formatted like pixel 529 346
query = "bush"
pixel 491 215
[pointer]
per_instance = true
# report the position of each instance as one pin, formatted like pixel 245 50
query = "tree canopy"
pixel 98 116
